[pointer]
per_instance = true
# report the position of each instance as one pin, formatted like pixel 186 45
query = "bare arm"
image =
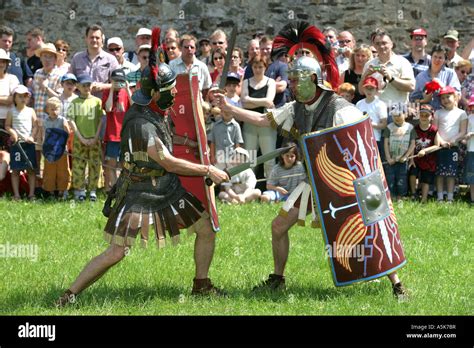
pixel 6 100
pixel 281 86
pixel 8 127
pixel 468 49
pixel 164 158
pixel 243 115
pixel 462 132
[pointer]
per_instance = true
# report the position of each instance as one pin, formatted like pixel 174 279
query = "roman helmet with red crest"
pixel 156 77
pixel 299 35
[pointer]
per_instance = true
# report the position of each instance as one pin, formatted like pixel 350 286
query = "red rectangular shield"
pixel 353 201
pixel 188 120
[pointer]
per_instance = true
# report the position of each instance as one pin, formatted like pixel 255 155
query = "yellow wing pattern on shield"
pixel 340 180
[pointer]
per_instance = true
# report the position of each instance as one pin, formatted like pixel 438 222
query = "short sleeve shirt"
pixel 86 113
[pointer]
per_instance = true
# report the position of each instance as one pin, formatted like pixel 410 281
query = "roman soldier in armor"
pixel 316 107
pixel 148 194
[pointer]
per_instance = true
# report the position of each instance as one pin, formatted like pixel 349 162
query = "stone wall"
pixel 68 19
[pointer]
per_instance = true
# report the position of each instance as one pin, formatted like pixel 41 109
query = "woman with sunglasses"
pixel 62 65
pixel 217 61
pixel 172 49
pixel 463 69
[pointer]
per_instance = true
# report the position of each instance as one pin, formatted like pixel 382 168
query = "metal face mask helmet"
pixel 167 82
pixel 301 71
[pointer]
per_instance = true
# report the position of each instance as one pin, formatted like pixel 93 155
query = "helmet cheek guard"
pixel 301 72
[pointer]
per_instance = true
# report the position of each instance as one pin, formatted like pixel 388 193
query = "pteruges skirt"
pixel 124 226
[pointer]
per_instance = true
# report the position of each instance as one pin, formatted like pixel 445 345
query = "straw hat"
pixel 49 47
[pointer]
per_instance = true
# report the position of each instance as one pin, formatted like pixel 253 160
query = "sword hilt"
pixel 209 181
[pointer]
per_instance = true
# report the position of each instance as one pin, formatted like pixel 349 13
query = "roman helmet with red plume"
pixel 157 76
pixel 298 35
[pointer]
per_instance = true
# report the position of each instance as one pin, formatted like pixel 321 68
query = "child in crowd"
pixel 469 138
pixel 56 174
pixel 224 138
pixel 68 83
pixel 347 91
pixel 232 88
pixel 21 123
pixel 399 143
pixel 241 189
pixel 285 176
pixel 423 167
pixel 452 124
pixel 374 107
pixel 116 102
pixel 85 114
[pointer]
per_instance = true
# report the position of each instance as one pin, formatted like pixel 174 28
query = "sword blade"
pixel 228 58
pixel 260 159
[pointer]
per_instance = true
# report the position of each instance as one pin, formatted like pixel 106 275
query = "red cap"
pixel 471 101
pixel 419 32
pixel 447 90
pixel 371 81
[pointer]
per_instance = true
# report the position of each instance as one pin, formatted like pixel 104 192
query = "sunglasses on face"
pixel 464 72
pixel 218 42
pixel 115 49
pixel 218 58
pixel 418 38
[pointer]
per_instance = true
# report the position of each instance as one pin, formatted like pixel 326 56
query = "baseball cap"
pixel 447 90
pixel 419 32
pixel 118 75
pixel 21 89
pixel 451 34
pixel 233 77
pixel 471 101
pixel 398 108
pixel 115 40
pixel 426 108
pixel 371 81
pixel 68 77
pixel 84 79
pixel 143 31
pixel 205 39
pixel 144 47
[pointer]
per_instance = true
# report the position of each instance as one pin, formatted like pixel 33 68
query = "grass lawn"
pixel 438 241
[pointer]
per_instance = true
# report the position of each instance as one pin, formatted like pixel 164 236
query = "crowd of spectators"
pixel 421 104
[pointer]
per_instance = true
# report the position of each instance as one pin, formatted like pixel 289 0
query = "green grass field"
pixel 438 241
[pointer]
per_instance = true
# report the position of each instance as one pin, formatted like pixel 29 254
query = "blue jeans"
pixel 397 178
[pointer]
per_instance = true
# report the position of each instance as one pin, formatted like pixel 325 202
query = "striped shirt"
pixel 278 174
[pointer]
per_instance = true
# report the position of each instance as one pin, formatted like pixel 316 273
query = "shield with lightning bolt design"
pixel 354 205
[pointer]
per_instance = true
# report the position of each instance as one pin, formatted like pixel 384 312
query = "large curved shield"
pixel 188 121
pixel 356 212
pixel 54 144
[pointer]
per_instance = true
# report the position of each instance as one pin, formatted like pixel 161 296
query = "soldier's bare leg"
pixel 97 267
pixel 204 249
pixel 280 240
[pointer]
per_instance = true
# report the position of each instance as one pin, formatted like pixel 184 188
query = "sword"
pixel 259 160
pixel 228 58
